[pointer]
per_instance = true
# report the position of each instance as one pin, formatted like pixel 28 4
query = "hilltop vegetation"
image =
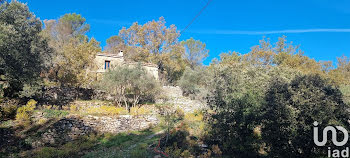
pixel 259 104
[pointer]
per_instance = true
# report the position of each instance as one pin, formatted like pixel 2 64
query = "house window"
pixel 107 64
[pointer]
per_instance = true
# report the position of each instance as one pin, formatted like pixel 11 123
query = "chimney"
pixel 120 53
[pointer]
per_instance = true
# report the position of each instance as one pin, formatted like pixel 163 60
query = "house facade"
pixel 109 61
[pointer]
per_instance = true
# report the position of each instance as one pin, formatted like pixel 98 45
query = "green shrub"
pixel 193 82
pixel 6 124
pixel 292 108
pixel 31 90
pixel 70 149
pixel 46 152
pixel 50 113
pixel 236 96
pixel 140 151
pixel 345 89
pixel 180 143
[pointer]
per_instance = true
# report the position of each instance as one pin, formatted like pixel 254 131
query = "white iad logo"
pixel 334 135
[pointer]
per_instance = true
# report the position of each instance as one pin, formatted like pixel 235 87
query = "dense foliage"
pixel 156 43
pixel 236 95
pixel 23 50
pixel 292 108
pixel 194 82
pixel 265 102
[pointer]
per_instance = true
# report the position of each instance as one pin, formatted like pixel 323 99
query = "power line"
pixel 199 13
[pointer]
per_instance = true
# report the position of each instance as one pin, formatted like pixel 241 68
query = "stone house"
pixel 109 61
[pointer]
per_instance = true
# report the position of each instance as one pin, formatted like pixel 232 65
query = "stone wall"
pixel 64 95
pixel 122 123
pixel 62 131
pixel 73 127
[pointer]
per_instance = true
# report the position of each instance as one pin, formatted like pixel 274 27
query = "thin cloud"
pixel 240 32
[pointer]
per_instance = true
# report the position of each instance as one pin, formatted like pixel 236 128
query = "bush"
pixel 292 108
pixel 345 89
pixel 8 109
pixel 196 116
pixel 31 90
pixel 236 94
pixel 3 86
pixel 195 123
pixel 42 121
pixel 193 83
pixel 232 126
pixel 47 152
pixel 24 113
pixel 73 108
pixel 70 149
pixel 180 144
pixel 50 113
pixel 179 113
pixel 140 151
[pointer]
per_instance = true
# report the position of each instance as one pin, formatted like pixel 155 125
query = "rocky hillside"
pixel 174 96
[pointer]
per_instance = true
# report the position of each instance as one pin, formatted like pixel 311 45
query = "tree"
pixel 292 108
pixel 234 109
pixel 74 51
pixel 68 26
pixel 62 30
pixel 129 83
pixel 236 93
pixel 196 51
pixel 75 69
pixel 153 37
pixel 341 75
pixel 23 51
pixel 194 82
pixel 230 58
pixel 261 55
pixel 156 43
pixel 291 56
pixel 114 44
pixel 171 64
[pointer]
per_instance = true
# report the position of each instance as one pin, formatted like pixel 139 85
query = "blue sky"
pixel 320 27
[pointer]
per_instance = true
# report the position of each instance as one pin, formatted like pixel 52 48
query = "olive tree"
pixel 129 84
